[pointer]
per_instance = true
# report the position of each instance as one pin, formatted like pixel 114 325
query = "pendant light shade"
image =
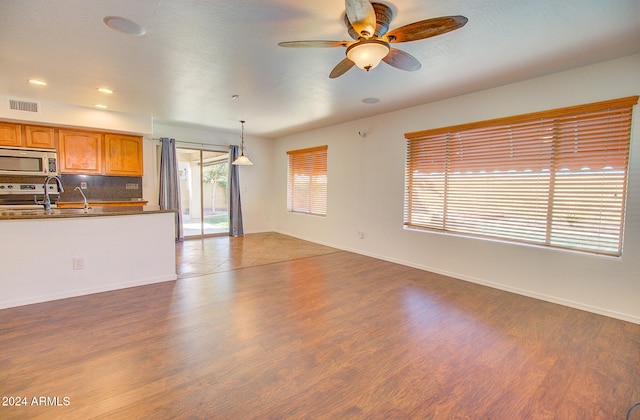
pixel 242 159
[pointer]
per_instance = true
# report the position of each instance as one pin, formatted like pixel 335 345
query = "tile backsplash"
pixel 98 187
pixel 101 187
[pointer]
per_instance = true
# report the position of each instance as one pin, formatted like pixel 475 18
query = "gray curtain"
pixel 235 209
pixel 169 198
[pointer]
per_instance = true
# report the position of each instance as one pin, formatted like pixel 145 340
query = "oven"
pixel 26 196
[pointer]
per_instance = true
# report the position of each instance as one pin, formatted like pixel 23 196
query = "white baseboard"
pixel 82 292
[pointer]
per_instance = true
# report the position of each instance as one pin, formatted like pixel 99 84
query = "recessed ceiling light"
pixel 124 25
pixel 37 82
pixel 101 106
pixel 371 100
pixel 106 91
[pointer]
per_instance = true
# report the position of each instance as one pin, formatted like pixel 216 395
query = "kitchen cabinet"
pixel 80 152
pixel 39 137
pixel 122 155
pixel 93 153
pixel 31 136
pixel 10 134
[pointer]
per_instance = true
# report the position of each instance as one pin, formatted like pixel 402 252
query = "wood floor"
pixel 223 253
pixel 334 335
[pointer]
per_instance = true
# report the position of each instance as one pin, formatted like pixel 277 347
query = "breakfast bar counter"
pixel 71 253
pixel 61 213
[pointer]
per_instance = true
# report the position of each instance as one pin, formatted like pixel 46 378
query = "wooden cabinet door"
pixel 123 155
pixel 10 135
pixel 80 152
pixel 40 137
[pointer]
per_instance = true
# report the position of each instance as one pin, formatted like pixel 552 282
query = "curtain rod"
pixel 226 146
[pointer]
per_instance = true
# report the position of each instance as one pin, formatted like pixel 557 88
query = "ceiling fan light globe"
pixel 367 54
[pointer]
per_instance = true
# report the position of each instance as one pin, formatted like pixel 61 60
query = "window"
pixel 555 178
pixel 307 181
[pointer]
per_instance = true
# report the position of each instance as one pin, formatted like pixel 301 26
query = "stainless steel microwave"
pixel 28 162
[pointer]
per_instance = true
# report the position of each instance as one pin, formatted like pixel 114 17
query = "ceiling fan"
pixel 368 24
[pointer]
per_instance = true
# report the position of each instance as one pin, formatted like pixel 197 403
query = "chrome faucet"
pixel 47 201
pixel 86 204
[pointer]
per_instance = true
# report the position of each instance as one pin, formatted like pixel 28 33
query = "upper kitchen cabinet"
pixel 10 135
pixel 93 153
pixel 80 152
pixel 35 137
pixel 40 137
pixel 122 155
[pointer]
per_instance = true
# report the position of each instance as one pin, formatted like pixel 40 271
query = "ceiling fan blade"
pixel 342 67
pixel 314 44
pixel 402 60
pixel 362 17
pixel 426 28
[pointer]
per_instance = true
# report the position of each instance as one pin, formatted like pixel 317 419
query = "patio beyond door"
pixel 204 192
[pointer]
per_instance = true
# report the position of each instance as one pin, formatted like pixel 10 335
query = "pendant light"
pixel 242 159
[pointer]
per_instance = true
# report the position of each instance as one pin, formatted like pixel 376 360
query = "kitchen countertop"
pixel 68 213
pixel 123 203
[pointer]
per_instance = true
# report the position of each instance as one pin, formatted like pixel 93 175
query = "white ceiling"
pixel 196 54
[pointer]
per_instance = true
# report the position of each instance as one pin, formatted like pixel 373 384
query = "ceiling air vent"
pixel 18 105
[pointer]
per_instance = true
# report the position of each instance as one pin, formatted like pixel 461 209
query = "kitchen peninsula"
pixel 71 253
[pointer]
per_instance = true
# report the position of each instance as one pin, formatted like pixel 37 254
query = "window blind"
pixel 555 178
pixel 307 181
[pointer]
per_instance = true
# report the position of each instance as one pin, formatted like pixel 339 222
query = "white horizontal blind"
pixel 556 178
pixel 307 181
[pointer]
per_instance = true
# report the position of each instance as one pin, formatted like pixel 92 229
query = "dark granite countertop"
pixel 70 213
pixel 133 201
pixel 99 203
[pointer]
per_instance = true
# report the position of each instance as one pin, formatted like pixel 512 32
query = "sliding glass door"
pixel 203 190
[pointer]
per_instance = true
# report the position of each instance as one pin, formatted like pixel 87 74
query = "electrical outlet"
pixel 83 185
pixel 78 263
pixel 132 186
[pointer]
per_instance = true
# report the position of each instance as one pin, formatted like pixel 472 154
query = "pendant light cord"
pixel 242 138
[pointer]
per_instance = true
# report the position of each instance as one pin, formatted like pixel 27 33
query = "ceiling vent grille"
pixel 18 105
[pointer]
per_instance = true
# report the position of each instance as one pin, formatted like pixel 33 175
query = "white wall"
pixel 366 184
pixel 76 116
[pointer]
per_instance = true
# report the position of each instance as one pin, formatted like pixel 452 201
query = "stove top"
pixel 26 195
pixel 27 189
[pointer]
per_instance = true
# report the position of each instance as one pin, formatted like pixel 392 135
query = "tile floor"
pixel 197 257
